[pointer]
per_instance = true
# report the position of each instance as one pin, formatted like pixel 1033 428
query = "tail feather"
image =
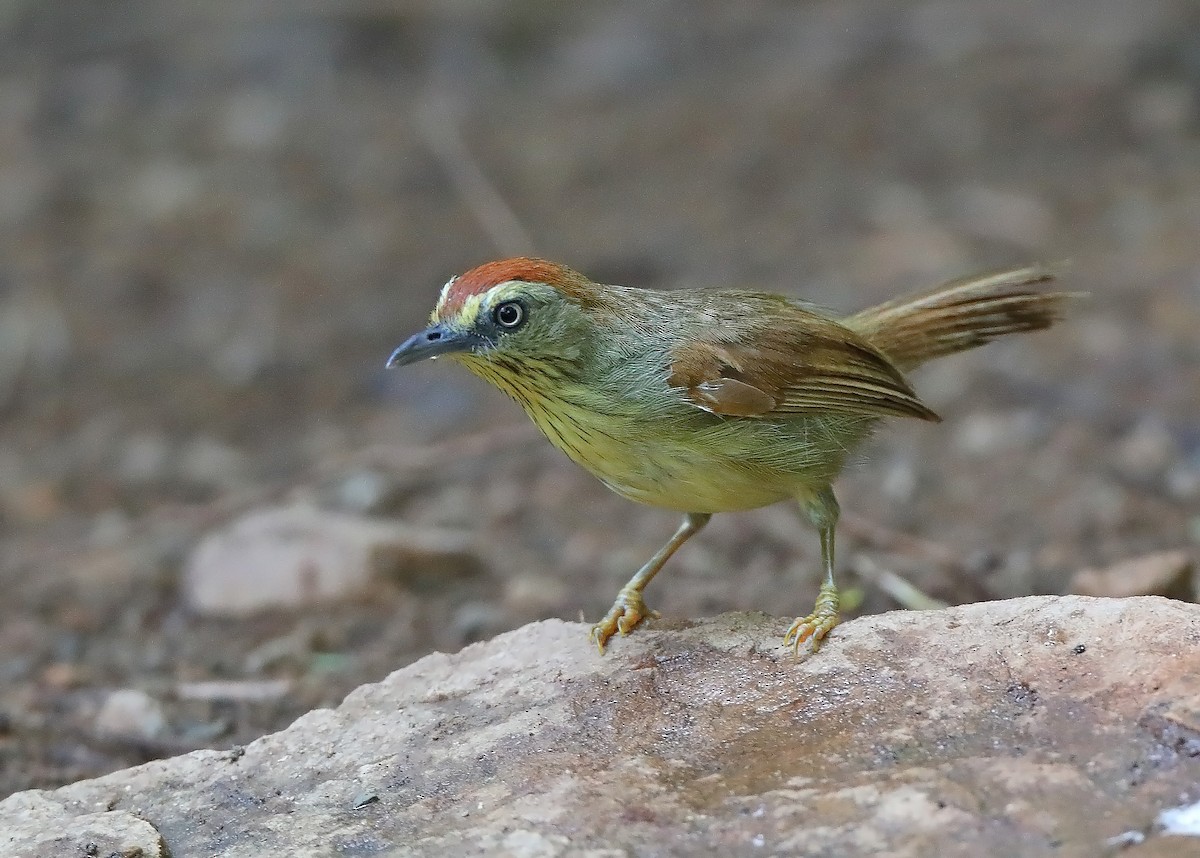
pixel 961 314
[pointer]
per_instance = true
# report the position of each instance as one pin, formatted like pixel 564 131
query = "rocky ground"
pixel 215 225
pixel 1031 727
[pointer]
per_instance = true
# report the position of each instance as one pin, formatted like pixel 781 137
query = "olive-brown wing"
pixel 808 364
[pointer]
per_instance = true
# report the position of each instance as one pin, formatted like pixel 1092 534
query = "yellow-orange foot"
pixel 627 611
pixel 816 625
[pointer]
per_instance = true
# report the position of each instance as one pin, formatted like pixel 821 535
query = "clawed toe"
pixel 627 611
pixel 816 625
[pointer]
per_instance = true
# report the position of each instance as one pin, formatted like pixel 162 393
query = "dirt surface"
pixel 214 227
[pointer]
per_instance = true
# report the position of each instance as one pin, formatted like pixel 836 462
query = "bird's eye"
pixel 510 314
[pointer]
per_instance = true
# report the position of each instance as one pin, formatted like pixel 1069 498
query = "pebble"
pixel 291 557
pixel 1182 821
pixel 130 712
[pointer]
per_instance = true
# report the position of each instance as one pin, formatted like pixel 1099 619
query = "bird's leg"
pixel 629 608
pixel 822 510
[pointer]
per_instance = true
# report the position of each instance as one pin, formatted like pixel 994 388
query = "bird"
pixel 706 401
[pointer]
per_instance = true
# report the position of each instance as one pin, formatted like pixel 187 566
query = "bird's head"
pixel 509 313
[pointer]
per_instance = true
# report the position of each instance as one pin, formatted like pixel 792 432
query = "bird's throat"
pixel 563 409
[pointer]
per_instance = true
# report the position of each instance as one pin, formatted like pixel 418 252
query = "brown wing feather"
pixel 803 363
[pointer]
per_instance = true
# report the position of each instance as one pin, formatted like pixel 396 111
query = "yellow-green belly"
pixel 697 462
pixel 677 456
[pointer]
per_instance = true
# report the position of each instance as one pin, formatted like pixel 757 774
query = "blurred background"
pixel 218 219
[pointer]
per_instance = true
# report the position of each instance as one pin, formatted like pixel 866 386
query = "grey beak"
pixel 434 341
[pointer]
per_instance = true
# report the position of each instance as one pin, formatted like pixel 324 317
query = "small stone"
pixel 290 557
pixel 1125 839
pixel 130 712
pixel 1180 821
pixel 1165 573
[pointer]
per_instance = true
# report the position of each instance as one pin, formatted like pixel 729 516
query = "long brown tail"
pixel 961 314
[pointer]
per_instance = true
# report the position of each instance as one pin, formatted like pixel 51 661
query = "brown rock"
pixel 294 556
pixel 1035 727
pixel 1165 573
